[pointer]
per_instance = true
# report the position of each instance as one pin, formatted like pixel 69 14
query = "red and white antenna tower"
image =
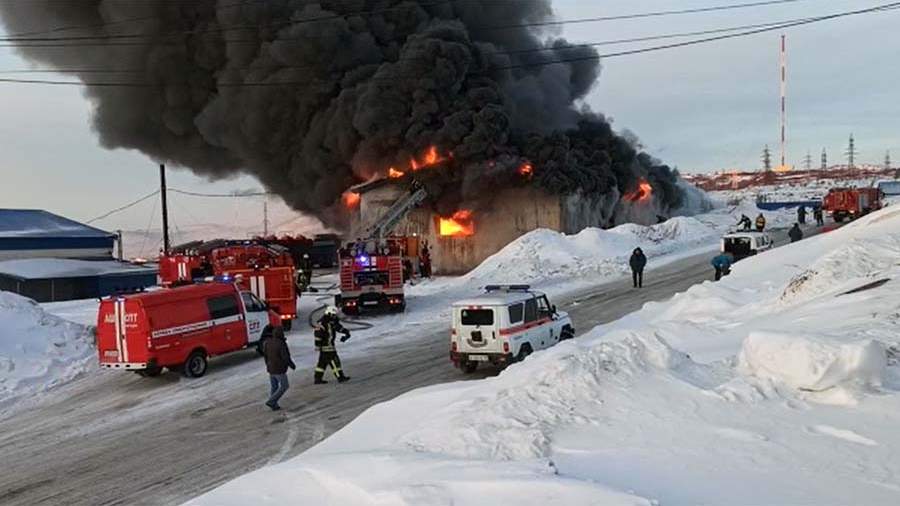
pixel 783 165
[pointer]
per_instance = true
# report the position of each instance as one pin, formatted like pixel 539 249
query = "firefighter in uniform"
pixel 760 222
pixel 327 329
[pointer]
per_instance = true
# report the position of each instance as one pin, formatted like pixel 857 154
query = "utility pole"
pixel 824 159
pixel 807 161
pixel 767 158
pixel 783 165
pixel 851 153
pixel 887 160
pixel 266 215
pixel 165 207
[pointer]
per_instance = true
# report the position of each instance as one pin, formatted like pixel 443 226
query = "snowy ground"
pixel 38 350
pixel 779 385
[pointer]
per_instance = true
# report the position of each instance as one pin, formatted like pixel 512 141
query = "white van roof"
pixel 745 233
pixel 498 298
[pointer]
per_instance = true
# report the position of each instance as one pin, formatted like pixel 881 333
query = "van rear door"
pixel 122 333
pixel 478 330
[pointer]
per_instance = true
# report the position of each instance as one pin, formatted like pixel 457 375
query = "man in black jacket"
pixel 795 233
pixel 637 262
pixel 278 359
pixel 327 329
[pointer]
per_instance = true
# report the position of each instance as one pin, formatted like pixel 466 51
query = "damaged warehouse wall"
pixel 512 213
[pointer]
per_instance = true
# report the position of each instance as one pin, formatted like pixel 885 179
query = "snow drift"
pixel 715 396
pixel 38 351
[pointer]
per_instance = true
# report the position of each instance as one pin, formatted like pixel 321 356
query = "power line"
pixel 229 195
pixel 765 27
pixel 126 206
pixel 107 37
pixel 399 60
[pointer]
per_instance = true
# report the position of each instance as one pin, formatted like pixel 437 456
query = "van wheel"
pixel 150 372
pixel 469 367
pixel 524 351
pixel 195 365
pixel 567 333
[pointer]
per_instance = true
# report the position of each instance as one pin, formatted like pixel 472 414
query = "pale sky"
pixel 699 108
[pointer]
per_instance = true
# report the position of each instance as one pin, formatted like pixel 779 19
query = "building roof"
pixel 372 185
pixel 37 223
pixel 47 268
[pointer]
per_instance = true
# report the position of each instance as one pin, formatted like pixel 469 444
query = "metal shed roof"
pixel 37 223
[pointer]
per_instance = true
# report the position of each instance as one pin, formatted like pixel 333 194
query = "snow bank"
pixel 811 363
pixel 725 393
pixel 546 254
pixel 38 351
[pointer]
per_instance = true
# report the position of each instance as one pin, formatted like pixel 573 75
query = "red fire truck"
pixel 372 270
pixel 372 279
pixel 844 203
pixel 180 328
pixel 266 271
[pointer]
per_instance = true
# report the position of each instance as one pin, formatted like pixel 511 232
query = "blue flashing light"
pixel 363 260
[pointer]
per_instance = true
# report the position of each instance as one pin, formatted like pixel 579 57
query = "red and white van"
pixel 504 325
pixel 180 328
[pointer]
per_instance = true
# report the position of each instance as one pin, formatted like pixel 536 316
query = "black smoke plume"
pixel 313 96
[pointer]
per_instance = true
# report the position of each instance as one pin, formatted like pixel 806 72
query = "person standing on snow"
pixel 278 359
pixel 327 329
pixel 744 222
pixel 801 214
pixel 819 215
pixel 760 222
pixel 722 264
pixel 637 262
pixel 795 233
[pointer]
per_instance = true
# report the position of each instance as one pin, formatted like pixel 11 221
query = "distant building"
pixel 55 279
pixel 33 233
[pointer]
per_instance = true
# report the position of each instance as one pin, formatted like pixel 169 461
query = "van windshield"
pixel 740 246
pixel 477 317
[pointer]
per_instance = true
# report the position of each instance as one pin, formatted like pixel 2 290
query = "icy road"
pixel 122 439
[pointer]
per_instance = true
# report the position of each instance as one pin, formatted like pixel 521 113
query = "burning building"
pixel 462 239
pixel 312 97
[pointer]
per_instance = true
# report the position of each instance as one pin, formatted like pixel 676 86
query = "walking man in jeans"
pixel 637 262
pixel 278 359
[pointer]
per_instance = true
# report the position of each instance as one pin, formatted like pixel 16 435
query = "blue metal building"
pixel 34 233
pixel 56 279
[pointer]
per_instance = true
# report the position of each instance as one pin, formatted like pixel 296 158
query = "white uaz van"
pixel 504 325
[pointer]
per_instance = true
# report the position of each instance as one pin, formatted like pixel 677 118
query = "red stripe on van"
pixel 523 327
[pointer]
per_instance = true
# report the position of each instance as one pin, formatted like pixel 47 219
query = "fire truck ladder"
pixel 397 212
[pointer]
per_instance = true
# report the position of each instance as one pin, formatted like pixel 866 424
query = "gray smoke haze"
pixel 368 84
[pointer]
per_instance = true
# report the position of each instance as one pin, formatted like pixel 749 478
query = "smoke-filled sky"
pixel 699 108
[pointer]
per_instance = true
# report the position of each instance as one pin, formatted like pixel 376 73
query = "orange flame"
pixel 459 225
pixel 395 174
pixel 526 169
pixel 642 194
pixel 429 158
pixel 351 199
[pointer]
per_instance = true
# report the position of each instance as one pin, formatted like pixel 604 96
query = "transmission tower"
pixel 824 159
pixel 767 158
pixel 807 162
pixel 851 153
pixel 887 160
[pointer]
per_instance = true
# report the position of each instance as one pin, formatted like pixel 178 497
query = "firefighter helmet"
pixel 331 311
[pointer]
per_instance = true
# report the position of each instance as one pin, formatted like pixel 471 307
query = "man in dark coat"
pixel 795 233
pixel 637 262
pixel 801 214
pixel 327 329
pixel 819 215
pixel 278 359
pixel 744 222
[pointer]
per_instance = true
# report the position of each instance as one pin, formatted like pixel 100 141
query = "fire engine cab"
pixel 265 270
pixel 180 328
pixel 504 325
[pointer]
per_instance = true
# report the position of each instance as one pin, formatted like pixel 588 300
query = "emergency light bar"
pixel 507 288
